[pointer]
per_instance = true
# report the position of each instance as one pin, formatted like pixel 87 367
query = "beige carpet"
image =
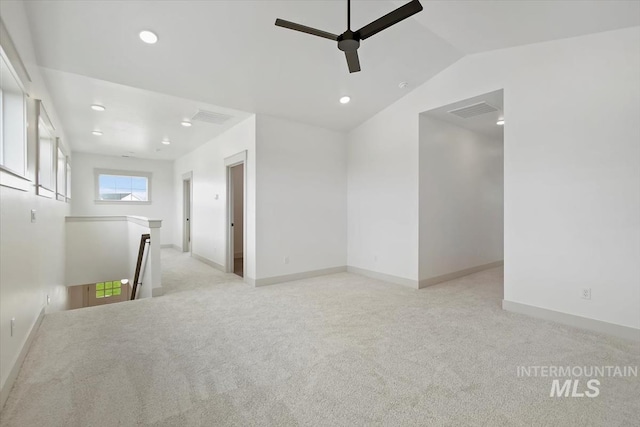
pixel 339 350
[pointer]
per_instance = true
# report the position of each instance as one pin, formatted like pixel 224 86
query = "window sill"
pixel 11 179
pixel 122 202
pixel 45 192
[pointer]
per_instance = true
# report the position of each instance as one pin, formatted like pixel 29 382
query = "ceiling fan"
pixel 349 41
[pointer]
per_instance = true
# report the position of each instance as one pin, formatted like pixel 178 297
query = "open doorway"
pixel 236 213
pixel 461 188
pixel 187 205
pixel 237 185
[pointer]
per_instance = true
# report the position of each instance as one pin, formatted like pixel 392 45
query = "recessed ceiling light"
pixel 148 37
pixel 165 142
pixel 403 85
pixel 97 107
pixel 185 123
pixel 500 122
pixel 345 100
pixel 97 133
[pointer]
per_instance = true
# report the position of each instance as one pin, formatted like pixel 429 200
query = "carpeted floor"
pixel 339 350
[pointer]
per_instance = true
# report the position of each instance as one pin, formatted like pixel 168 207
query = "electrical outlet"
pixel 586 293
pixel 33 215
pixel 286 260
pixel 13 325
pixel 375 258
pixel 48 300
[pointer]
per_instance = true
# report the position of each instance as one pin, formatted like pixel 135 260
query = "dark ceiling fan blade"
pixel 352 61
pixel 305 29
pixel 401 13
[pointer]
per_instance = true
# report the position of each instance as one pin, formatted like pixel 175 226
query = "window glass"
pixel 123 188
pixel 108 289
pixel 45 157
pixel 61 184
pixel 12 121
pixel 68 179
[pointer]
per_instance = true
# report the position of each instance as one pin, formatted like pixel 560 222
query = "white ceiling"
pixel 230 54
pixel 478 26
pixel 483 123
pixel 135 121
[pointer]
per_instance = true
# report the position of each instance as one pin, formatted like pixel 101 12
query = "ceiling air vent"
pixel 210 117
pixel 473 110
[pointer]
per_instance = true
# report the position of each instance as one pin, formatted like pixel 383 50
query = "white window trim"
pixel 9 177
pixel 96 181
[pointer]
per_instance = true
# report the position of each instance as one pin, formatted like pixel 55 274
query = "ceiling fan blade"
pixel 352 61
pixel 305 29
pixel 401 13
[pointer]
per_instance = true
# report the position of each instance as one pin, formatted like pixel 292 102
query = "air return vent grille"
pixel 210 117
pixel 473 110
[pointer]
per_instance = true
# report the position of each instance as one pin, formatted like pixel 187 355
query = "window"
pixel 47 154
pixel 108 289
pixel 68 180
pixel 61 178
pixel 123 187
pixel 13 120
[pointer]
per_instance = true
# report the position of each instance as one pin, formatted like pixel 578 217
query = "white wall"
pixel 97 251
pixel 461 198
pixel 163 200
pixel 382 213
pixel 572 173
pixel 23 244
pixel 301 197
pixel 208 216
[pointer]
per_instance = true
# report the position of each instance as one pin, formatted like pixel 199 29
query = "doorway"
pixel 237 224
pixel 236 213
pixel 187 196
pixel 461 188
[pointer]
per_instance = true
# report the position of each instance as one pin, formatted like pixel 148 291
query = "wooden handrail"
pixel 144 238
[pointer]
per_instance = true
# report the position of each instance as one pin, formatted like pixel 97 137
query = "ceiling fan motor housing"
pixel 348 41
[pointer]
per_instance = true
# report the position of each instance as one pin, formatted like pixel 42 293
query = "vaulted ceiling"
pixel 229 55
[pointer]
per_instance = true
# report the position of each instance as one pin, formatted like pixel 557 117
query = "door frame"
pixel 187 221
pixel 229 162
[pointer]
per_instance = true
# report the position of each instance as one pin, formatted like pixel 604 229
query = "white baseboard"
pixel 15 369
pixel 457 274
pixel 573 320
pixel 295 276
pixel 208 262
pixel 384 277
pixel 171 246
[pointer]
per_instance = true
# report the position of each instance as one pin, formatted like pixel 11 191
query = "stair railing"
pixel 137 279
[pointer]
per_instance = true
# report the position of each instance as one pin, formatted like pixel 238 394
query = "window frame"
pixel 137 174
pixel 11 177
